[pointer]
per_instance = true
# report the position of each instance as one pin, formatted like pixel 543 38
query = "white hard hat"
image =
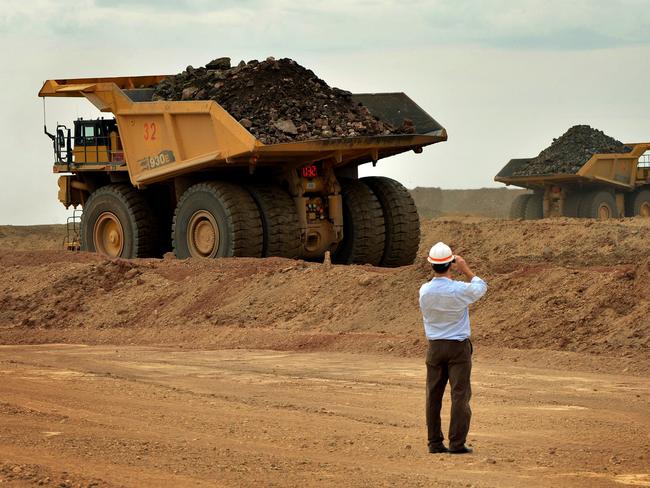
pixel 440 253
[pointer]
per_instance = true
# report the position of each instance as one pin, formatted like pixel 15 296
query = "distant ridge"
pixel 483 202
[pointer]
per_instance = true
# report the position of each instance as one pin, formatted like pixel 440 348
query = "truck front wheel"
pixel 116 222
pixel 598 205
pixel 641 204
pixel 216 219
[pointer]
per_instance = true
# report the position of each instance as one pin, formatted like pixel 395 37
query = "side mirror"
pixel 60 138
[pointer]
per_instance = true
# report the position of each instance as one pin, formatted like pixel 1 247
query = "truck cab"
pixel 95 141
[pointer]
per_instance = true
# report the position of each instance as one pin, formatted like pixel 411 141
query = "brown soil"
pixel 564 285
pixel 116 416
pixel 561 339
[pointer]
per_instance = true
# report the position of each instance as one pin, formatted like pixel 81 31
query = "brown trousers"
pixel 449 361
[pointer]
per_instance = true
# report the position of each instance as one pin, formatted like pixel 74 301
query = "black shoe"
pixel 462 450
pixel 438 449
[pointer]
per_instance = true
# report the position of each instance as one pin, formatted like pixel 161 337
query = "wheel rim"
pixel 644 209
pixel 203 235
pixel 108 235
pixel 604 212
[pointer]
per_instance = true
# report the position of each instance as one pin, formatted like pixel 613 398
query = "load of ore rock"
pixel 277 100
pixel 568 153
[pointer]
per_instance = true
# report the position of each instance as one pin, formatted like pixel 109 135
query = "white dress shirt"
pixel 444 303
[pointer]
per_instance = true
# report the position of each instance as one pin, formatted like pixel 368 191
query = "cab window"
pixel 89 135
pixel 84 134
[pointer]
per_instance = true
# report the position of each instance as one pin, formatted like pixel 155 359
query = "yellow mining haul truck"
pixel 185 175
pixel 606 186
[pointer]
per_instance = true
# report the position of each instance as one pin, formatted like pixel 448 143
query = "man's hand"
pixel 461 265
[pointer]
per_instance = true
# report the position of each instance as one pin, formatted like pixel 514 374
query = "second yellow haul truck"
pixel 185 175
pixel 606 186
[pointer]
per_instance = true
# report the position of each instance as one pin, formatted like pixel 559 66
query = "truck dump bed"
pixel 618 170
pixel 164 139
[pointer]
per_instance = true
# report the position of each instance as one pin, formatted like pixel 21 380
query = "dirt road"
pixel 162 393
pixel 142 416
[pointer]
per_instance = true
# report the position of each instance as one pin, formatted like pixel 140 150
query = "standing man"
pixel 444 302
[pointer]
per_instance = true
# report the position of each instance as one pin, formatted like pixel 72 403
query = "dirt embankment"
pixel 562 285
pixel 32 237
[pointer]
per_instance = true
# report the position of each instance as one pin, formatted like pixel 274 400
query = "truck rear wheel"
pixel 572 204
pixel 518 206
pixel 117 222
pixel 280 226
pixel 599 204
pixel 363 226
pixel 216 219
pixel 641 204
pixel 401 221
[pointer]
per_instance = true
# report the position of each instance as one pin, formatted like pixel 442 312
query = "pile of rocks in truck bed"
pixel 276 100
pixel 568 153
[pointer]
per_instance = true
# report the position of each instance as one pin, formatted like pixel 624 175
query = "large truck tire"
pixel 216 219
pixel 518 206
pixel 363 226
pixel 640 204
pixel 401 221
pixel 572 204
pixel 599 204
pixel 280 225
pixel 117 222
pixel 534 207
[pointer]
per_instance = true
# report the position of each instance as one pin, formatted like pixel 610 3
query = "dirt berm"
pixel 562 285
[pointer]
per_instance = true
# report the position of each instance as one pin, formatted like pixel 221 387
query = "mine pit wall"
pixel 482 202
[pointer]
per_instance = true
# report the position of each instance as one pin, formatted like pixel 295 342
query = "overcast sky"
pixel 504 77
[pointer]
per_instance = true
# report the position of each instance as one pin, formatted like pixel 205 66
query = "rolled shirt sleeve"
pixel 471 292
